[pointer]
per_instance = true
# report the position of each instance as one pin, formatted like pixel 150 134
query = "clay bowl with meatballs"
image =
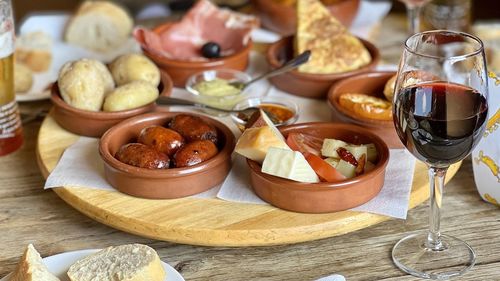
pixel 181 70
pixel 280 16
pixel 324 197
pixel 376 119
pixel 94 123
pixel 310 85
pixel 166 155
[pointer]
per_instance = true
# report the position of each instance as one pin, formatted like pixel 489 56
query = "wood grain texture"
pixel 209 222
pixel 28 214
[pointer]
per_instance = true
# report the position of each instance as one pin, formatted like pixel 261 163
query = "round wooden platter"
pixel 208 222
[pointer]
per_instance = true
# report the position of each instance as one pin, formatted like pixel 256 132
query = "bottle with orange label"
pixel 11 136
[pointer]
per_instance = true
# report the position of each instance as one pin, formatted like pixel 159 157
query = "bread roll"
pixel 131 95
pixel 99 26
pixel 81 84
pixel 134 67
pixel 389 88
pixel 32 268
pixel 23 78
pixel 134 262
pixel 34 49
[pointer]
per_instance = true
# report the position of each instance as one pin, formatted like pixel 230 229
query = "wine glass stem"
pixel 413 18
pixel 436 183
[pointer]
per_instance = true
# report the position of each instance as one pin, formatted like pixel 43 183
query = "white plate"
pixel 53 25
pixel 60 263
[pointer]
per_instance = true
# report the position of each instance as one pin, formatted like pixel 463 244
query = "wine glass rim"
pixel 475 52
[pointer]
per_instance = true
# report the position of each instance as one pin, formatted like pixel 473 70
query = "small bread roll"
pixel 389 88
pixel 34 49
pixel 23 78
pixel 134 67
pixel 101 26
pixel 366 106
pixel 131 95
pixel 81 84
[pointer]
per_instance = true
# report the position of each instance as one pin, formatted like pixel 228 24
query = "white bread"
pixel 23 78
pixel 31 268
pixel 133 262
pixel 81 84
pixel 35 50
pixel 99 26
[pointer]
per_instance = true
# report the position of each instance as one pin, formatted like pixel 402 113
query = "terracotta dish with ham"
pixel 204 33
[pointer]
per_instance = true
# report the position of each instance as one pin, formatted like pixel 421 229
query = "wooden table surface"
pixel 28 214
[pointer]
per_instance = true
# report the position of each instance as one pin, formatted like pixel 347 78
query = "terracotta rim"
pixel 325 186
pixel 332 100
pixel 56 99
pixel 194 64
pixel 222 156
pixel 275 48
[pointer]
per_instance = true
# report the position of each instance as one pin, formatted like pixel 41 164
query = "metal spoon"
pixel 165 100
pixel 289 65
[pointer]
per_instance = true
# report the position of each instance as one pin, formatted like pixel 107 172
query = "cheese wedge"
pixel 333 48
pixel 288 164
pixel 255 142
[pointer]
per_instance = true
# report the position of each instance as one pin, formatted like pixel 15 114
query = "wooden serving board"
pixel 208 222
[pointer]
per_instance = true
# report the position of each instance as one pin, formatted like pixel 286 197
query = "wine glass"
pixel 440 109
pixel 413 8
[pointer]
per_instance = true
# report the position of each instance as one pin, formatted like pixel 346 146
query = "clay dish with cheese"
pixel 371 84
pixel 310 85
pixel 95 123
pixel 163 183
pixel 323 197
pixel 280 15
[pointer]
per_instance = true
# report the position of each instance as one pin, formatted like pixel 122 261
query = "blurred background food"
pixel 481 9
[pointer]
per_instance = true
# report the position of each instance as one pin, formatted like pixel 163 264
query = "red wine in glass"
pixel 440 122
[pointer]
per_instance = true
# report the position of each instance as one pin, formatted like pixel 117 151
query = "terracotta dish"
pixel 180 71
pixel 163 184
pixel 371 83
pixel 95 123
pixel 323 197
pixel 306 84
pixel 282 18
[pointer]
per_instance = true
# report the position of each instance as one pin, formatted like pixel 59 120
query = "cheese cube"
pixel 330 147
pixel 255 142
pixel 288 164
pixel 332 161
pixel 357 151
pixel 346 169
pixel 372 153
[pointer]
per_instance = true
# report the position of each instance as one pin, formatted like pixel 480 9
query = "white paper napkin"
pixel 391 201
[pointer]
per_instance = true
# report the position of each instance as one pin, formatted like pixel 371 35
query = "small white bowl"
pixel 226 101
pixel 256 102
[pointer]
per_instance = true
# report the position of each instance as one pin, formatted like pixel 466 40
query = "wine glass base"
pixel 453 258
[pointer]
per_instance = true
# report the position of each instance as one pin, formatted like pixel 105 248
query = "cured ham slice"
pixel 204 23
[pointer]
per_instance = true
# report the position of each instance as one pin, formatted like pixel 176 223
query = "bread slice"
pixel 133 262
pixel 333 48
pixel 99 26
pixel 31 268
pixel 34 49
